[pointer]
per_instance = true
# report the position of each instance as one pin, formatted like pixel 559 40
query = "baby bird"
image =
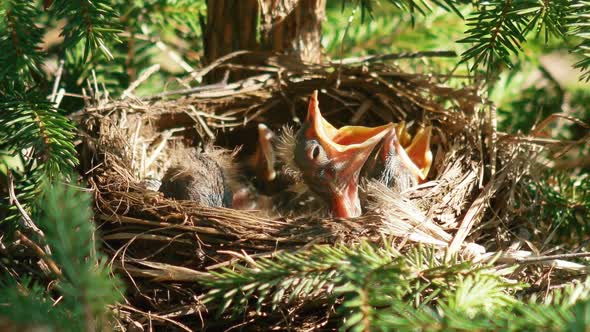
pixel 262 165
pixel 400 162
pixel 213 177
pixel 330 160
pixel 202 177
pixel 257 174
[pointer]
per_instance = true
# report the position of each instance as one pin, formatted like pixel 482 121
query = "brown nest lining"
pixel 158 243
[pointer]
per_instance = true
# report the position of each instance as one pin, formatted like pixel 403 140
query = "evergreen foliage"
pixel 20 58
pixel 91 22
pixel 373 288
pixel 381 289
pixel 32 127
pixel 566 205
pixel 580 16
pixel 83 280
pixel 42 139
pixel 40 129
pixel 500 27
pixel 29 305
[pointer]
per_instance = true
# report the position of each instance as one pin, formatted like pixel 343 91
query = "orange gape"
pixel 330 159
pixel 418 149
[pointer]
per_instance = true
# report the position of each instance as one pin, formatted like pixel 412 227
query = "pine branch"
pixel 479 293
pixel 500 27
pixel 563 309
pixel 379 289
pixel 21 58
pixel 138 49
pixel 548 16
pixel 423 6
pixel 580 27
pixel 371 280
pixel 91 21
pixel 301 275
pixel 41 138
pixel 84 283
pixel 65 217
pixel 368 281
pixel 26 304
pixel 37 127
pixel 497 30
pixel 564 205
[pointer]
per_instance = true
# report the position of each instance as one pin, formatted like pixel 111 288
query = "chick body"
pixel 198 177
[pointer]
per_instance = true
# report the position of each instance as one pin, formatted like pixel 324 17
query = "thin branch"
pixel 57 80
pixel 37 249
pixel 26 219
pixel 527 260
pixel 157 317
pixel 184 92
pixel 395 56
pixel 144 76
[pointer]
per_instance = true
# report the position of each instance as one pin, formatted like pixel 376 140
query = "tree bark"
pixel 231 26
pixel 292 27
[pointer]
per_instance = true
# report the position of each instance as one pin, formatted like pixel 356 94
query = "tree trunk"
pixel 291 27
pixel 231 25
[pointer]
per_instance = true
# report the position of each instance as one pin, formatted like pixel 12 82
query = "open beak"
pixel 402 134
pixel 419 151
pixel 415 154
pixel 265 154
pixel 347 148
pixel 347 140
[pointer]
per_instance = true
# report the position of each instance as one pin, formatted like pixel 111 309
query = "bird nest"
pixel 163 247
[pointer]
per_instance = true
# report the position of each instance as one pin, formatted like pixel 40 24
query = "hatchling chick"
pixel 200 176
pixel 333 163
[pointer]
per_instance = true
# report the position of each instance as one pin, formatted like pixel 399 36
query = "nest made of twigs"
pixel 157 243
